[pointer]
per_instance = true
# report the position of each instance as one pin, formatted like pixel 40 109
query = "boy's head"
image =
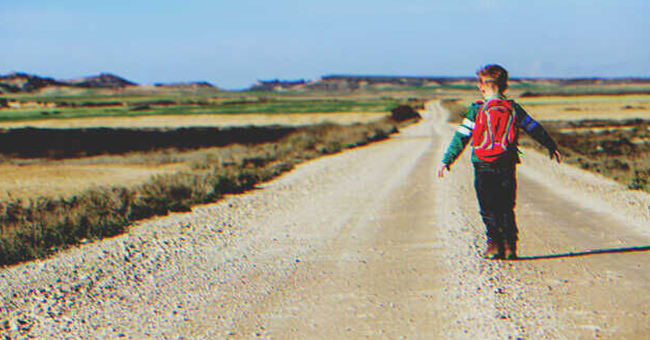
pixel 493 75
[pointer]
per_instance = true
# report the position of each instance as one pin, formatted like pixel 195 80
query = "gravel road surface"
pixel 364 244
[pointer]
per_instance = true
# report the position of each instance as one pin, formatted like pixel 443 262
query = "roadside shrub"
pixel 640 181
pixel 403 113
pixel 616 164
pixel 615 148
pixel 456 109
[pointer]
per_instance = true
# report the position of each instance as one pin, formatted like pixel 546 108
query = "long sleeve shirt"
pixel 524 122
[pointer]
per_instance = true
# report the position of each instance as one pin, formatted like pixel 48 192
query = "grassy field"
pixel 29 179
pixel 145 107
pixel 47 204
pixel 577 107
pixel 205 120
pixel 154 108
pixel 20 181
pixel 545 89
pixel 606 134
pixel 141 101
pixel 588 107
pixel 38 227
pixel 619 149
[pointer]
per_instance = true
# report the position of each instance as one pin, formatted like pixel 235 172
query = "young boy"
pixel 492 127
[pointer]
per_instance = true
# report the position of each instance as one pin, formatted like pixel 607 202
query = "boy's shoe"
pixel 510 250
pixel 493 250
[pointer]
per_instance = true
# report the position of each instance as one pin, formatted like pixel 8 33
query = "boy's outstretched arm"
pixel 537 132
pixel 456 147
pixel 460 140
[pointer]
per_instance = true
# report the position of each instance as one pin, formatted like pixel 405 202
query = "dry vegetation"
pixel 31 178
pixel 205 120
pixel 619 149
pixel 606 134
pixel 156 152
pixel 38 227
pixel 588 107
pixel 456 109
pixel 64 179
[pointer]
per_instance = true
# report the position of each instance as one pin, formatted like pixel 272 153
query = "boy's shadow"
pixel 585 253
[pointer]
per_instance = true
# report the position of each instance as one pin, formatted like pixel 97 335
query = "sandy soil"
pixel 363 244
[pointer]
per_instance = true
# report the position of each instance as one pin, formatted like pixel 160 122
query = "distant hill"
pixel 23 82
pixel 538 86
pixel 354 82
pixel 276 85
pixel 104 80
pixel 187 85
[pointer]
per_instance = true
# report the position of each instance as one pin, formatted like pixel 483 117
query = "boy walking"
pixel 492 126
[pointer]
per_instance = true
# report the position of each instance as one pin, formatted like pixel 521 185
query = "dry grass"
pixel 40 226
pixel 456 109
pixel 30 181
pixel 606 134
pixel 588 107
pixel 222 120
pixel 579 107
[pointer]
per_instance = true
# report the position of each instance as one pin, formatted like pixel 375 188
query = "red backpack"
pixel 495 131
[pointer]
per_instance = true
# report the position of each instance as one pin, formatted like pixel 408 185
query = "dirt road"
pixel 364 244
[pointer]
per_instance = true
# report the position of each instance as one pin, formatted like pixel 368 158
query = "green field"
pixel 39 225
pixel 146 106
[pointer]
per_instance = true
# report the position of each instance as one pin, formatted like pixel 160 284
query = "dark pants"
pixel 496 190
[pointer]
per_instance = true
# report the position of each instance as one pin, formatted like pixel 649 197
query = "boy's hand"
pixel 442 168
pixel 554 154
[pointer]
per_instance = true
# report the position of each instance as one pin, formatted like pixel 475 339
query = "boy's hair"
pixel 494 73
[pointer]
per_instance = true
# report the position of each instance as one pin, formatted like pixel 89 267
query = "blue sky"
pixel 234 43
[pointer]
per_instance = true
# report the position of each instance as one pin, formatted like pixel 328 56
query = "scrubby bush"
pixel 455 108
pixel 403 113
pixel 640 181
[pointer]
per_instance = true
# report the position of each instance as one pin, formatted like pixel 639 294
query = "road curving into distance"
pixel 363 244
